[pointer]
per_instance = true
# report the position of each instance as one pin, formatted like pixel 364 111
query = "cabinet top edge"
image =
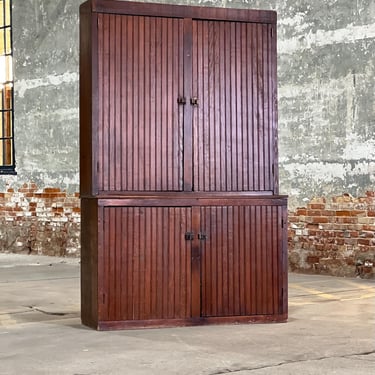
pixel 178 11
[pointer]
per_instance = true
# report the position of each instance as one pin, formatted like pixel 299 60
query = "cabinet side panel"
pixel 140 80
pixel 87 98
pixel 274 106
pixel 146 263
pixel 89 262
pixel 233 124
pixel 283 259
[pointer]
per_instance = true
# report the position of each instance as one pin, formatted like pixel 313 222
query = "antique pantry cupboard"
pixel 182 222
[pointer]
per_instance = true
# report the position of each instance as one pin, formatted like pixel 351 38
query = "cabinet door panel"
pixel 242 260
pixel 234 123
pixel 145 263
pixel 140 123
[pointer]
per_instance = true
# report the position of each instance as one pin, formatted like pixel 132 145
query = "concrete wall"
pixel 326 73
pixel 326 94
pixel 45 39
pixel 327 97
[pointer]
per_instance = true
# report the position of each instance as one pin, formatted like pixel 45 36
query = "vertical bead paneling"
pixel 146 263
pixel 182 116
pixel 241 260
pixel 140 123
pixel 234 122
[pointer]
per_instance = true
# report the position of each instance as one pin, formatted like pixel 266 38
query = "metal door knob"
pixel 194 101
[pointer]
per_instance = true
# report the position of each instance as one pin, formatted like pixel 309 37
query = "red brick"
pixel 340 241
pixel 346 220
pixel 312 226
pixel 367 234
pixel 301 212
pixel 293 219
pixel 320 219
pixel 366 249
pixel 368 227
pixel 342 213
pixel 358 213
pixel 364 241
pixel 316 206
pixel 57 209
pixel 314 213
pixel 371 213
pixel 51 190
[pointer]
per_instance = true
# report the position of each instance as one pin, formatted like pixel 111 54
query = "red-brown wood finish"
pixel 88 100
pixel 146 268
pixel 182 223
pixel 140 78
pixel 196 12
pixel 89 262
pixel 241 261
pixel 149 272
pixel 234 123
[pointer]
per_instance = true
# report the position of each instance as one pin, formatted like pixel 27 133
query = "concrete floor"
pixel 331 330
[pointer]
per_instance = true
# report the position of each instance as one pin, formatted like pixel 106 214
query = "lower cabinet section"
pixel 154 263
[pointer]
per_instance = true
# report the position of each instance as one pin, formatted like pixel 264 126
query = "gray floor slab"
pixel 331 330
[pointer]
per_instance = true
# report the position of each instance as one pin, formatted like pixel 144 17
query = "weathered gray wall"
pixel 327 97
pixel 45 38
pixel 326 93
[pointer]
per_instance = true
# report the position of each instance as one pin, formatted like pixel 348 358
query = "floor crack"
pixel 47 312
pixel 231 371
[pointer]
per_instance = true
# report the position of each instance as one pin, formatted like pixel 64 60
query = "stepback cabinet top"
pixel 177 98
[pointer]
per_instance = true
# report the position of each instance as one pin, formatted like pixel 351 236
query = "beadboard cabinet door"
pixel 145 265
pixel 234 120
pixel 243 261
pixel 140 72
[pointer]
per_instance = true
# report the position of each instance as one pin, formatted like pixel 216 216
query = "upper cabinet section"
pixel 176 98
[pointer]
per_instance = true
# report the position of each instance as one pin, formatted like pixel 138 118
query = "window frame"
pixel 7 151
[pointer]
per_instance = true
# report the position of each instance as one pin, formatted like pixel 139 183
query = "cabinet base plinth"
pixel 169 323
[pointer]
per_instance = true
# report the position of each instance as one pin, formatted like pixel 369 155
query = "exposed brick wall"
pixel 334 236
pixel 40 221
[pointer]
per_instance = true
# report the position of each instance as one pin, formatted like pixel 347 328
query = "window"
pixel 7 164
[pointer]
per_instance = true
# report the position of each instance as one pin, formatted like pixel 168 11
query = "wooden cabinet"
pixel 181 218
